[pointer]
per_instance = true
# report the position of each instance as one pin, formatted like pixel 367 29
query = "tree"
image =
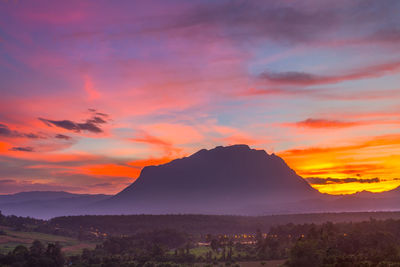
pixel 54 252
pixel 259 237
pixel 214 244
pixel 37 248
pixel 20 252
pixel 305 254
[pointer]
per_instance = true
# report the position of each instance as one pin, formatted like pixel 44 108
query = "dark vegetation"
pixel 99 227
pixel 196 224
pixel 21 223
pixel 368 243
pixel 37 255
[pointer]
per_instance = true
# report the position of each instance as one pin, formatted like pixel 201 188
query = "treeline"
pixel 97 228
pixel 37 255
pixel 21 223
pixel 371 243
pixel 195 224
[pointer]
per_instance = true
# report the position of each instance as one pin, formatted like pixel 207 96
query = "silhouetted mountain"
pixel 47 204
pixel 368 201
pixel 394 193
pixel 223 180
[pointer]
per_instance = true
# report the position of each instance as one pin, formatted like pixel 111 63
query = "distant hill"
pixel 47 204
pixel 36 195
pixel 224 180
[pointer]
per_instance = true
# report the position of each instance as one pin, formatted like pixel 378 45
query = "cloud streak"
pixel 166 146
pixel 307 79
pixel 92 125
pixel 22 149
pixel 324 181
pixel 323 124
pixel 62 136
pixel 5 131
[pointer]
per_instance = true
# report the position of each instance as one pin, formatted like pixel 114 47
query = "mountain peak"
pixel 234 147
pixel 222 179
pixel 228 149
pixel 238 149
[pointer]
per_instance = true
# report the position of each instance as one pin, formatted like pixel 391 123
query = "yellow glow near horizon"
pixel 351 188
pixel 377 158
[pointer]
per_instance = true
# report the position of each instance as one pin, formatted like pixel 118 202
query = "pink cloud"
pixel 90 88
pixel 307 79
pixel 324 123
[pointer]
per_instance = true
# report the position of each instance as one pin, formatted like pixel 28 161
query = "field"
pixel 274 263
pixel 202 251
pixel 11 239
pixel 271 263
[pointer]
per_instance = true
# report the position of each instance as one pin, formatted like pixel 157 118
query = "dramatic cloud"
pixel 7 132
pixel 323 181
pixel 292 77
pixel 96 120
pixel 62 136
pixel 179 76
pixel 306 79
pixel 368 157
pixel 91 125
pixel 23 149
pixel 96 113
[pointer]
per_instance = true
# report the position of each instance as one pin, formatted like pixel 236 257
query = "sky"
pixel 93 91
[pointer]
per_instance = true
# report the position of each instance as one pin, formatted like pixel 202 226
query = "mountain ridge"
pixel 232 180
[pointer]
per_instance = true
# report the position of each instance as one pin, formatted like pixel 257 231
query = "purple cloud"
pixel 7 132
pixel 322 181
pixel 91 125
pixel 22 149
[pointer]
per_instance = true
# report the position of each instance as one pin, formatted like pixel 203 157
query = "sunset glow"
pixel 93 91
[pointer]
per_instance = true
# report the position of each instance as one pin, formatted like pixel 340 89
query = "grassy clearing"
pixel 274 263
pixel 12 239
pixel 199 251
pixel 202 251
